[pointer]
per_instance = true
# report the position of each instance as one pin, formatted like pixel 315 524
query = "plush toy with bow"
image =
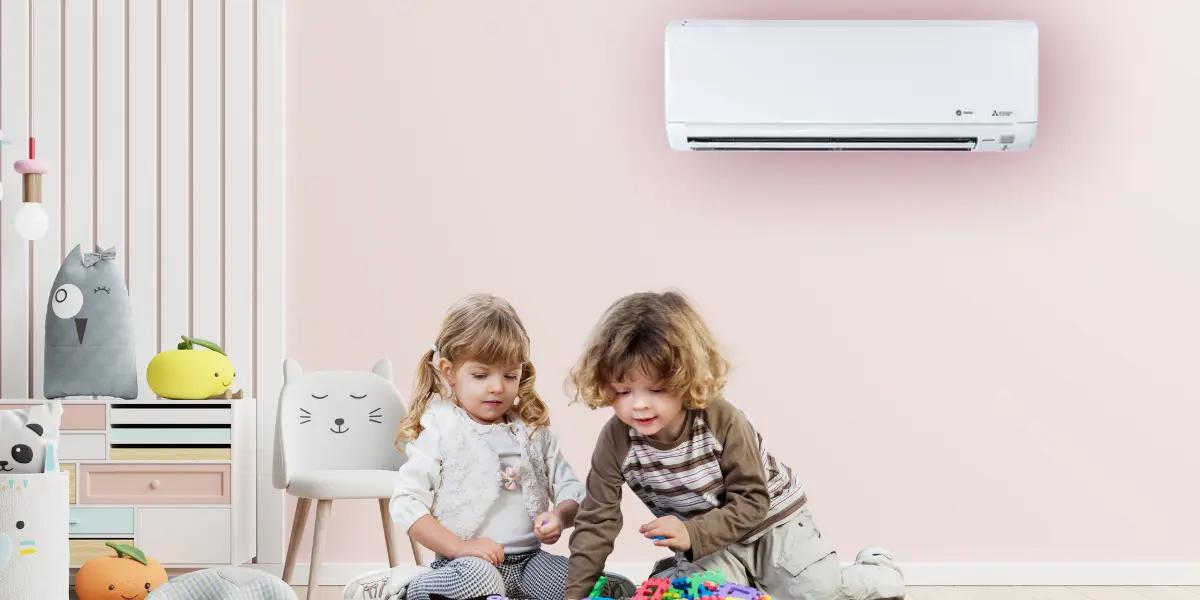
pixel 89 329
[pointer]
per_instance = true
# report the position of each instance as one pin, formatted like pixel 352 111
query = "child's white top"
pixel 506 522
pixel 455 473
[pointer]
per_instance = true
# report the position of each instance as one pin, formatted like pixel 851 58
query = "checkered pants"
pixel 536 574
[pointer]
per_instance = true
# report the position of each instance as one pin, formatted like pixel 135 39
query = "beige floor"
pixel 988 593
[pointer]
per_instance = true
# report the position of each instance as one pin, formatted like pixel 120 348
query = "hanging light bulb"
pixel 31 221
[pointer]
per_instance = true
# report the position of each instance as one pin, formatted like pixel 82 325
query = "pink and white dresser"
pixel 174 477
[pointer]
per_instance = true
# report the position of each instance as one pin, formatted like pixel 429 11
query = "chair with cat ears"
pixel 335 440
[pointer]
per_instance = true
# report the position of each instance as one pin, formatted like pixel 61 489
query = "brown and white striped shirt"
pixel 717 477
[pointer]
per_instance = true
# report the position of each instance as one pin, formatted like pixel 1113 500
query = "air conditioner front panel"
pixel 811 72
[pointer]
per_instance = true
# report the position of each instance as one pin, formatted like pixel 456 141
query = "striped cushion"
pixel 225 583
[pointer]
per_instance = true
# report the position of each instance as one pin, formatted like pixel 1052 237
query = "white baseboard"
pixel 1045 573
pixel 942 573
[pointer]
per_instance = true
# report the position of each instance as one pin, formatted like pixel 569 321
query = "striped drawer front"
pixel 101 521
pixel 82 446
pixel 162 414
pixel 158 453
pixel 168 435
pixel 76 416
pixel 154 484
pixel 84 550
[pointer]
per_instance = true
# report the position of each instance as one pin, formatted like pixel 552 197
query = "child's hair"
pixel 483 328
pixel 658 335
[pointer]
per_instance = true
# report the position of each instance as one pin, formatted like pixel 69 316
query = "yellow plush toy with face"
pixel 191 373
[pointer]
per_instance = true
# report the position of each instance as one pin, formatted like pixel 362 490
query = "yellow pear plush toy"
pixel 190 372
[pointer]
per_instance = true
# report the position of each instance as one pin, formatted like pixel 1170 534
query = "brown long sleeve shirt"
pixel 717 477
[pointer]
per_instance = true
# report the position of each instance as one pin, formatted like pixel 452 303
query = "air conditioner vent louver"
pixel 832 144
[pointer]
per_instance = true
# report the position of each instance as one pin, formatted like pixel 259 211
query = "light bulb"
pixel 31 221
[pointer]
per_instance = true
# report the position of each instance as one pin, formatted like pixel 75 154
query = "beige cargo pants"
pixel 793 562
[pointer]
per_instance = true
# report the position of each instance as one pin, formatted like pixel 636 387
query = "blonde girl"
pixel 484 484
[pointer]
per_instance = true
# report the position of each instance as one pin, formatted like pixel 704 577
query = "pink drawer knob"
pixel 155 484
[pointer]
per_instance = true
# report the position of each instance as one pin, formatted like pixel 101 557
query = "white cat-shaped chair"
pixel 335 439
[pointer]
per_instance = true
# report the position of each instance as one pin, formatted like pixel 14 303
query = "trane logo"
pixel 1002 113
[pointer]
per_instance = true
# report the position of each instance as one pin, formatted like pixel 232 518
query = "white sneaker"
pixel 882 557
pixel 386 583
pixel 867 554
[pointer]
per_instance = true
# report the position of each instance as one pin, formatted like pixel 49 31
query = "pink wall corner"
pixel 965 357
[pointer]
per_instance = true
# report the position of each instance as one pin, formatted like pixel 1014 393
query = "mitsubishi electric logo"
pixel 1002 113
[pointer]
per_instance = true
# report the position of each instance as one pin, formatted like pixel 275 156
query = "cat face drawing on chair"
pixel 336 419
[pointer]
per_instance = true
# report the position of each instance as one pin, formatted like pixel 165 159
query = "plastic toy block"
pixel 599 586
pixel 652 589
pixel 738 592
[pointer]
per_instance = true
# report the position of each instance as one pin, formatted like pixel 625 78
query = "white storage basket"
pixel 34 548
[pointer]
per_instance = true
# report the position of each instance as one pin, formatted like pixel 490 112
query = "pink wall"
pixel 966 357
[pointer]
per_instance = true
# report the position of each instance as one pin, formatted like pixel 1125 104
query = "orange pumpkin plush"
pixel 127 576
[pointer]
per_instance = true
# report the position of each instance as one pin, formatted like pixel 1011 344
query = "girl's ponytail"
pixel 428 382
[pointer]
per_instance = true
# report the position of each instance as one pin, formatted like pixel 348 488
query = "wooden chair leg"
pixel 388 531
pixel 289 563
pixel 314 564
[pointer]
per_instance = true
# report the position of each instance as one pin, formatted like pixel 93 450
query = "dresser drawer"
pixel 82 446
pixel 69 469
pixel 76 416
pixel 125 434
pixel 186 536
pixel 84 550
pixel 160 414
pixel 102 521
pixel 153 484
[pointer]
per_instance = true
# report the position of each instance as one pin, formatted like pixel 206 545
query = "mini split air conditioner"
pixel 851 85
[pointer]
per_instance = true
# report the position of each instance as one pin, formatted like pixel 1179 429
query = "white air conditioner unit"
pixel 851 85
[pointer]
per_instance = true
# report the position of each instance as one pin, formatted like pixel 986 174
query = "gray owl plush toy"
pixel 89 329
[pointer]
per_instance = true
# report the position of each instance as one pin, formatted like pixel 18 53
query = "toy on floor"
pixel 225 583
pixel 129 574
pixel 710 585
pixel 191 373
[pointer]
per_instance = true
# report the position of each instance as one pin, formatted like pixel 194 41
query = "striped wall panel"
pixel 162 126
pixel 145 113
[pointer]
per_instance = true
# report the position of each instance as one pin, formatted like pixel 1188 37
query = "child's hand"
pixel 671 532
pixel 483 548
pixel 548 527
